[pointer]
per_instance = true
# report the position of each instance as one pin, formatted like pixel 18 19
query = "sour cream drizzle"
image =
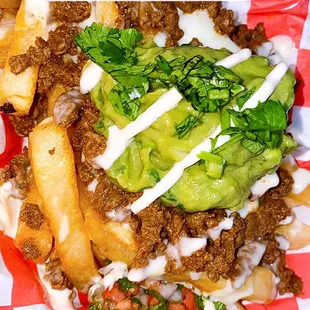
pixel 262 94
pixel 10 206
pixel 267 88
pixel 235 59
pixel 301 180
pixel 90 77
pixel 264 184
pixel 119 139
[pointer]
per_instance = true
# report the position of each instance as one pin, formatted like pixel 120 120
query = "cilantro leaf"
pixel 122 103
pixel 219 305
pixel 245 97
pixel 288 145
pixel 153 173
pixel 136 301
pixel 160 306
pixel 163 64
pixel 183 128
pixel 254 147
pixel 95 306
pixel 199 301
pixel 104 45
pixel 125 284
pixel 269 115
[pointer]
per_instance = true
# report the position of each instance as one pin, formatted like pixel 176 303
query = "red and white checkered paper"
pixel 20 287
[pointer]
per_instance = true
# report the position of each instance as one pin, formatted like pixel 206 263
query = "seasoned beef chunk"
pixel 30 250
pixel 19 169
pixel 70 11
pixel 32 216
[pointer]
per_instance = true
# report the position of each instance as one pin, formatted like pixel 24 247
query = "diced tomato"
pixel 176 306
pixel 115 294
pixel 126 304
pixel 189 299
pixel 152 301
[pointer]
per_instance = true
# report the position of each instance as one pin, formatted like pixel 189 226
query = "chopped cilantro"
pixel 125 284
pixel 153 173
pixel 219 305
pixel 136 301
pixel 199 301
pixel 95 306
pixel 183 128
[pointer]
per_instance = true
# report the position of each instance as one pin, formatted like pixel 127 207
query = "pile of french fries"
pixel 71 223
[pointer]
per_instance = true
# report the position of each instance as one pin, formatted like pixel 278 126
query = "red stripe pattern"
pixel 281 17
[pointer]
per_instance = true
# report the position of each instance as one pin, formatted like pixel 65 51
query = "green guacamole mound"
pixel 154 151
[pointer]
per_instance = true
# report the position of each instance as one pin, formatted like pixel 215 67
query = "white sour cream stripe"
pixel 151 194
pixel 10 206
pixel 267 88
pixel 264 184
pixel 156 267
pixel 301 180
pixel 235 59
pixel 119 139
pixel 90 77
pixel 165 103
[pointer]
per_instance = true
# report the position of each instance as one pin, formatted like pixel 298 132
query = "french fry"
pixel 9 4
pixel 114 240
pixel 7 30
pixel 107 13
pixel 18 90
pixel 259 287
pixel 297 233
pixel 52 161
pixel 294 200
pixel 39 239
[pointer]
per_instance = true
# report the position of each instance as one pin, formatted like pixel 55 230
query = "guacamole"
pixel 154 151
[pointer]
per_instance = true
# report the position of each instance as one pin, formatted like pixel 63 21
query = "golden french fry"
pixel 297 233
pixel 36 244
pixel 114 240
pixel 107 13
pixel 52 161
pixel 9 4
pixel 292 199
pixel 7 23
pixel 259 287
pixel 18 91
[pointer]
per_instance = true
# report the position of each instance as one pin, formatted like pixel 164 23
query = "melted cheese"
pixel 2 136
pixel 37 11
pixel 92 186
pixel 64 229
pixel 187 246
pixel 248 207
pixel 264 184
pixel 301 180
pixel 155 268
pixel 58 299
pixel 249 256
pixel 10 205
pixel 112 273
pixel 199 25
pixel 215 232
pixel 283 243
pixel 90 77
